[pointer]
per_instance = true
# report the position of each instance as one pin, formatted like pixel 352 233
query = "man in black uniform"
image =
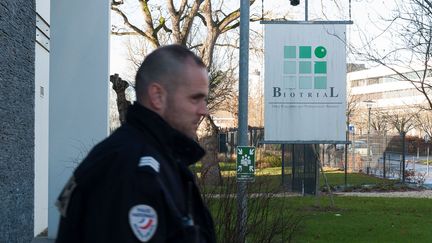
pixel 135 186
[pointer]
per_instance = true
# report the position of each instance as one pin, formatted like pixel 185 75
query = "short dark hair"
pixel 162 66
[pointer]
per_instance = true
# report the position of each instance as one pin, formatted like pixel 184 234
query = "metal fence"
pixel 384 158
pixel 388 156
pixel 228 139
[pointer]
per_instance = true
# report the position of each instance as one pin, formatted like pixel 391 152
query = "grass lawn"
pixel 352 219
pixel 357 219
pixel 338 178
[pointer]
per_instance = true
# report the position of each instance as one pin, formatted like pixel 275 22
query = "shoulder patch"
pixel 149 161
pixel 143 221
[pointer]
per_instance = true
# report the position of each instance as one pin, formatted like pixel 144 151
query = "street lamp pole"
pixel 368 138
pixel 369 106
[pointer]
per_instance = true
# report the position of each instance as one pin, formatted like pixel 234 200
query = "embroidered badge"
pixel 143 221
pixel 149 161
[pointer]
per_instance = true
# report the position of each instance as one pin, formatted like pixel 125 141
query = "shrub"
pixel 268 219
pixel 270 160
pixel 413 177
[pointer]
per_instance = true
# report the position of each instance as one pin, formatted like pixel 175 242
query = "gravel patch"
pixel 410 194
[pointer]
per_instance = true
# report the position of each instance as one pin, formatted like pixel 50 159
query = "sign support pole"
pixel 243 115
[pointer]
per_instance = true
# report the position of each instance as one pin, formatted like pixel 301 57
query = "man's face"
pixel 187 103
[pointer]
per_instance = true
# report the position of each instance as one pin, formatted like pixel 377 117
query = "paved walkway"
pixel 411 194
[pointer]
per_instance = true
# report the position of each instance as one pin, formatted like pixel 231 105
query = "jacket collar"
pixel 170 140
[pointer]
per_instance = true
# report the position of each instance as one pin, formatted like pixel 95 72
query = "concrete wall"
pixel 17 77
pixel 79 78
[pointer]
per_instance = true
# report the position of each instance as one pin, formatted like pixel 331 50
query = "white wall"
pixel 79 77
pixel 41 122
pixel 41 140
pixel 43 9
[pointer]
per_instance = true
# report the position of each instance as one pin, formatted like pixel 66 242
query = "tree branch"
pixel 188 20
pixel 230 18
pixel 175 21
pixel 129 24
pixel 124 33
pixel 117 3
pixel 182 7
pixel 151 33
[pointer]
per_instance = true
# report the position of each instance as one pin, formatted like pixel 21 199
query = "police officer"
pixel 135 186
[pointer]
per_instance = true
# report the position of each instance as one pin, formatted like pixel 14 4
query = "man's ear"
pixel 157 96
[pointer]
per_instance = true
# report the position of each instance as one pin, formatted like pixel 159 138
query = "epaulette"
pixel 148 161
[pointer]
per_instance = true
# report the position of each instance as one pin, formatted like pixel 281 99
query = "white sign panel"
pixel 305 80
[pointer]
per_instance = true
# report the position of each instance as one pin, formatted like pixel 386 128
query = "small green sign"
pixel 245 163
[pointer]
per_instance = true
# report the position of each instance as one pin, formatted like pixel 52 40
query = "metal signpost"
pixel 242 115
pixel 427 138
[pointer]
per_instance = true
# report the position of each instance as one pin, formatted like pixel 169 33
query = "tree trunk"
pixel 120 86
pixel 210 172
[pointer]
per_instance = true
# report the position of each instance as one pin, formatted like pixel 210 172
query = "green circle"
pixel 320 52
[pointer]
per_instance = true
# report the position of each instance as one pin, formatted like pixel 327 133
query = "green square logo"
pixel 290 52
pixel 305 67
pixel 320 82
pixel 305 51
pixel 320 67
pixel 290 67
pixel 289 82
pixel 305 82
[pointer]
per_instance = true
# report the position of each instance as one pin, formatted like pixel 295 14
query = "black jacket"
pixel 135 186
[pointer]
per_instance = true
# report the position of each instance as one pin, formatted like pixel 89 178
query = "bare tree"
pixel 416 33
pixel 424 122
pixel 183 22
pixel 380 121
pixel 402 120
pixel 119 86
pixel 410 30
pixel 352 106
pixel 176 22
